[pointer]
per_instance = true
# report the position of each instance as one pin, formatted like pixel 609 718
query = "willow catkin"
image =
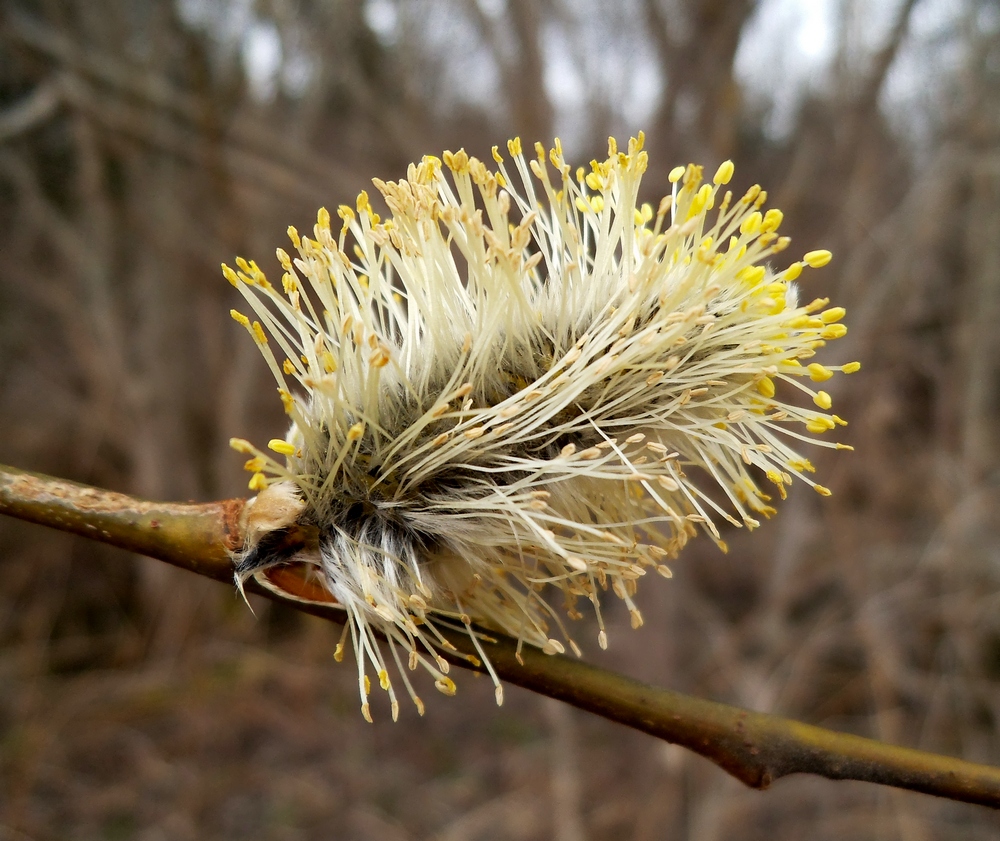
pixel 522 390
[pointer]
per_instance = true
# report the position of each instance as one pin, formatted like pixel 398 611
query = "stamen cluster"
pixel 524 384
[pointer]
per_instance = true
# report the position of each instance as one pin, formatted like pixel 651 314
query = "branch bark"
pixel 756 748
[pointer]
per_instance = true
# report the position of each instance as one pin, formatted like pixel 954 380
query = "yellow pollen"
pixel 823 400
pixel 752 275
pixel 751 225
pixel 819 425
pixel 238 317
pixel 772 220
pixel 724 173
pixel 766 387
pixel 257 483
pixel 817 259
pixel 818 373
pixel 832 315
pixel 835 331
pixel 792 272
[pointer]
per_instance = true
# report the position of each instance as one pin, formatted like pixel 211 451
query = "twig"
pixel 756 748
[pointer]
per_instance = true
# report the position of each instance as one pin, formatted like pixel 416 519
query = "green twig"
pixel 754 747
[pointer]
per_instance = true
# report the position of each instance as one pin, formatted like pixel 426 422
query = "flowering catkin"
pixel 523 385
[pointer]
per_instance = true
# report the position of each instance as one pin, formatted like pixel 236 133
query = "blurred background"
pixel 141 144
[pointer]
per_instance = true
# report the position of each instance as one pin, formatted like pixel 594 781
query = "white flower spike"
pixel 523 385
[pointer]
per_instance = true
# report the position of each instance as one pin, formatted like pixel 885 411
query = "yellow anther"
pixel 766 387
pixel 823 400
pixel 701 202
pixel 362 203
pixel 833 314
pixel 792 272
pixel 751 225
pixel 514 146
pixel 724 173
pixel 230 275
pixel 239 318
pixel 818 373
pixel 593 180
pixel 496 155
pixel 287 401
pixel 293 235
pixel 676 174
pixel 257 483
pixel 817 259
pixel 851 367
pixel 458 161
pixel 323 219
pixel 752 275
pixel 258 333
pixel 835 331
pixel 241 445
pixel 822 491
pixel 254 465
pixel 345 213
pixel 281 447
pixel 355 432
pixel 772 220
